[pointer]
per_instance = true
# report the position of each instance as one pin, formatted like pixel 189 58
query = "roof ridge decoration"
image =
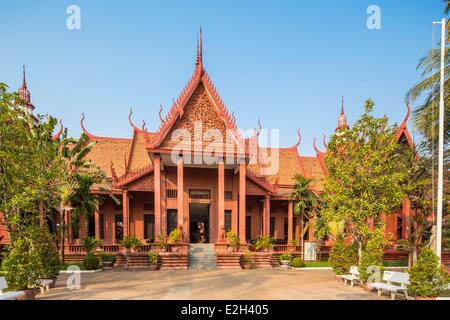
pixel 94 137
pixel 177 109
pixel 403 129
pixel 133 175
pixel 295 146
pixel 57 135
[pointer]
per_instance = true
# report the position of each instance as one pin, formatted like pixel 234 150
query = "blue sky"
pixel 288 62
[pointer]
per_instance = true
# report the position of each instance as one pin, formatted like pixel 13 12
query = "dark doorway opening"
pixel 199 223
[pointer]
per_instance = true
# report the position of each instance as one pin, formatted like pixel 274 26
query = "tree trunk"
pixel 359 252
pixel 41 213
pixel 414 256
pixel 62 227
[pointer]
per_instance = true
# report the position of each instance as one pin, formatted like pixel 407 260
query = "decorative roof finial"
pixel 199 60
pixel 24 81
pixel 342 120
pixel 299 139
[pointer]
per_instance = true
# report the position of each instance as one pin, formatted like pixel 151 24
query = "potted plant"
pixel 293 244
pixel 108 259
pixel 91 243
pixel 162 243
pixel 91 262
pixel 233 240
pixel 154 259
pixel 297 263
pixel 264 243
pixel 175 237
pixel 131 244
pixel 247 260
pixel 427 279
pixel 285 259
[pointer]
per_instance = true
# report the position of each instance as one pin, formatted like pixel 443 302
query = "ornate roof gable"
pixel 198 87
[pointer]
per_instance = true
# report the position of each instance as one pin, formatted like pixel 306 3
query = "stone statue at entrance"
pixel 201 231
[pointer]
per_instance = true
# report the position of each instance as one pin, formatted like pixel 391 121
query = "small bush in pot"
pixel 90 243
pixel 108 259
pixel 175 237
pixel 264 243
pixel 297 263
pixel 154 259
pixel 247 260
pixel 427 279
pixel 91 262
pixel 285 259
pixel 131 243
pixel 162 242
pixel 233 240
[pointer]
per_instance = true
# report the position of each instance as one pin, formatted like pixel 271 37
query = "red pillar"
pixel 125 213
pixel 157 193
pixel 180 193
pixel 266 217
pixel 290 221
pixel 242 208
pixel 97 223
pixel 406 212
pixel 221 200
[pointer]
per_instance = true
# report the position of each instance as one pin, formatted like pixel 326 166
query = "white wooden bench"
pixel 10 295
pixel 44 285
pixel 353 277
pixel 396 282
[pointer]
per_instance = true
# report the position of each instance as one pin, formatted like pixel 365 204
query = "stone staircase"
pixel 202 256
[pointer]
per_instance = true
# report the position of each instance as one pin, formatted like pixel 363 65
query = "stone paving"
pixel 276 284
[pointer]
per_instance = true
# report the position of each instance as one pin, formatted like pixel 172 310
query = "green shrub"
pixel 91 262
pixel 426 278
pixel 342 256
pixel 233 239
pixel 293 242
pixel 175 236
pixel 372 255
pixel 264 242
pixel 22 264
pixel 153 257
pixel 48 254
pixel 107 256
pixel 297 263
pixel 131 242
pixel 285 256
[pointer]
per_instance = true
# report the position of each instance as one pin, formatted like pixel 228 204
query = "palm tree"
pixel 426 115
pixel 306 202
pixel 73 152
pixel 84 202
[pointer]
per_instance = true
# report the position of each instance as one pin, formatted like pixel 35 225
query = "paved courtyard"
pixel 209 284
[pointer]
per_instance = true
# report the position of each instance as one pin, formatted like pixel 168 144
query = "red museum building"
pixel 160 191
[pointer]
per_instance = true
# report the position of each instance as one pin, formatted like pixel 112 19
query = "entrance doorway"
pixel 199 223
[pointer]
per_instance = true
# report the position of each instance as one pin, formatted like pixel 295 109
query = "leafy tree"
pixel 365 175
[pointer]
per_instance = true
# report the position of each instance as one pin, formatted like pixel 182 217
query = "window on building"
pixel 272 226
pixel 92 227
pixel 76 232
pixel 248 228
pixel 119 226
pixel 227 220
pixel 399 228
pixel 285 238
pixel 172 220
pixel 149 227
pixel 101 222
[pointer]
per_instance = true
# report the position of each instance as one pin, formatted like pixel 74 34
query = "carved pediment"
pixel 145 183
pixel 199 110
